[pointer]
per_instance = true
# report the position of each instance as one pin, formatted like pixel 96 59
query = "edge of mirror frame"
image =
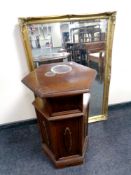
pixel 110 35
pixel 26 44
pixel 49 19
pixel 111 16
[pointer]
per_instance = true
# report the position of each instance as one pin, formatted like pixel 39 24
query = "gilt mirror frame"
pixel 110 16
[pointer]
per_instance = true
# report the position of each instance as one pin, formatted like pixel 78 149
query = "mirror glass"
pixel 81 41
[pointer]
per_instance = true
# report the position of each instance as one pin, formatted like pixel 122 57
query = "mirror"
pixel 85 39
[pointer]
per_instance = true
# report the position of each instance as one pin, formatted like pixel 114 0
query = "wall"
pixel 15 98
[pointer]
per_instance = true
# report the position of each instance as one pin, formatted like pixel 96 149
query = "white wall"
pixel 15 98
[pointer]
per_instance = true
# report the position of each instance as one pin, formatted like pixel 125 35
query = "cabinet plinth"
pixel 62 113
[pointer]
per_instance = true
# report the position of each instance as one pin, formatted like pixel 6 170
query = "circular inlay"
pixel 60 69
pixel 49 74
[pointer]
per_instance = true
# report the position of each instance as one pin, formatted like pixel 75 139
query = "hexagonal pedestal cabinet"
pixel 62 105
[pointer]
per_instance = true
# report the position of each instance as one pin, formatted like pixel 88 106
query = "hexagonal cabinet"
pixel 62 105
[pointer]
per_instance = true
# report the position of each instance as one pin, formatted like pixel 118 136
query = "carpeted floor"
pixel 109 151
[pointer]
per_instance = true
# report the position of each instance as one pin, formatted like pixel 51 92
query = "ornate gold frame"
pixel 111 16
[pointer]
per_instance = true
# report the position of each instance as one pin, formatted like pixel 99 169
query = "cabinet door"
pixel 66 136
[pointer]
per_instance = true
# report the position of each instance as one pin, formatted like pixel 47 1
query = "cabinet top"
pixel 59 79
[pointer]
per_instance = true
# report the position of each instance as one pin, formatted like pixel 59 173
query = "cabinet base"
pixel 66 161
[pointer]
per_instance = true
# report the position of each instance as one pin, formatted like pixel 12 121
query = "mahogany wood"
pixel 62 106
pixel 77 81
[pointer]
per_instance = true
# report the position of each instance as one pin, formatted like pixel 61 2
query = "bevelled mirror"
pixel 85 39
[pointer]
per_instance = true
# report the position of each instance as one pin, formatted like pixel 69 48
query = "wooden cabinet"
pixel 62 111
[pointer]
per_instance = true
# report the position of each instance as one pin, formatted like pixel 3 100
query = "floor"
pixel 109 151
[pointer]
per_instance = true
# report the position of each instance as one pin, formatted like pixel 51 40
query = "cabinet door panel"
pixel 66 134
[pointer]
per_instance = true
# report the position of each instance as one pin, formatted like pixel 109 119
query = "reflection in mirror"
pixel 83 42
